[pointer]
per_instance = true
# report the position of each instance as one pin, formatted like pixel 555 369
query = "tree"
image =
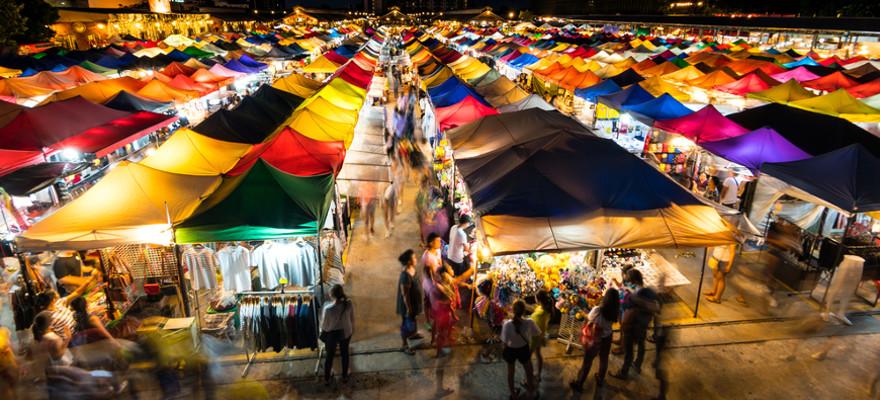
pixel 38 16
pixel 13 23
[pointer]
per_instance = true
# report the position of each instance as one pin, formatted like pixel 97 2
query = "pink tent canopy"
pixel 706 125
pixel 799 74
pixel 754 81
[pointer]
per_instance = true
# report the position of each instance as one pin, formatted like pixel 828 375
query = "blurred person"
pixel 661 341
pixel 541 315
pixel 63 322
pixel 517 334
pixel 389 206
pixel 444 301
pixel 721 264
pixel 409 300
pixel 641 306
pixel 368 199
pixel 9 372
pixel 701 183
pixel 729 190
pixel 337 326
pixel 600 320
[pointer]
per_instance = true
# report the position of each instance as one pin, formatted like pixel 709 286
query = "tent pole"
pixel 700 287
pixel 181 283
pixel 111 309
pixel 320 264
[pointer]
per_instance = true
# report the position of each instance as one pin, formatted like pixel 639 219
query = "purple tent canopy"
pixel 236 65
pixel 755 148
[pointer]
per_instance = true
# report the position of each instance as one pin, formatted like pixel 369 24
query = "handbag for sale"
pixel 587 337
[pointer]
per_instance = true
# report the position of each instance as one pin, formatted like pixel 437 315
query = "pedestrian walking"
pixel 517 334
pixel 720 263
pixel 444 301
pixel 599 321
pixel 337 326
pixel 541 315
pixel 409 300
pixel 641 306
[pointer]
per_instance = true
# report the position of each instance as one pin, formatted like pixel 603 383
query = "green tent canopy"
pixel 261 204
pixel 98 69
pixel 197 52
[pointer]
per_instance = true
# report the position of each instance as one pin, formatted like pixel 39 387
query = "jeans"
pixel 633 336
pixel 334 338
pixel 602 348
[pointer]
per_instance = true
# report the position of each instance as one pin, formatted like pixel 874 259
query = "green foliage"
pixel 13 23
pixel 38 16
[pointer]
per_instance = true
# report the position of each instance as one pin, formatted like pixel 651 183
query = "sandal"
pixel 713 300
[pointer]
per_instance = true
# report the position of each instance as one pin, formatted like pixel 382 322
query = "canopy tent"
pixel 87 127
pixel 127 101
pixel 341 94
pixel 530 101
pixel 657 86
pixel 161 91
pixel 755 148
pixel 132 204
pixel 463 112
pixel 8 111
pixel 706 125
pixel 313 125
pixel 784 93
pixel 321 65
pixel 807 130
pixel 754 81
pixel 260 204
pixel 831 82
pixel 574 191
pixel 451 92
pixel 799 74
pixel 847 178
pixel 295 154
pixel 841 104
pixel 255 118
pixel 627 78
pixel 591 93
pixel 866 89
pixel 632 95
pixel 190 153
pixel 36 177
pixel 98 91
pixel 661 108
pixel 715 78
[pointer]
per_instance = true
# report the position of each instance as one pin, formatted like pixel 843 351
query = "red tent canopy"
pixel 867 89
pixel 184 82
pixel 831 82
pixel 706 125
pixel 467 110
pixel 176 68
pixel 754 81
pixel 335 57
pixel 295 154
pixel 77 123
pixel 356 75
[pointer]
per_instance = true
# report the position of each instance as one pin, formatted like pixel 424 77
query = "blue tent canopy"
pixel 846 177
pixel 663 107
pixel 602 88
pixel 452 91
pixel 632 95
pixel 523 60
pixel 565 175
pixel 802 61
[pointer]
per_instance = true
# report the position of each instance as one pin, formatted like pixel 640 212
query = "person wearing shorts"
pixel 721 263
pixel 517 334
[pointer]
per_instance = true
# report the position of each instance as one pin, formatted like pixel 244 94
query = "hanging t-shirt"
pixel 270 266
pixel 457 241
pixel 202 267
pixel 235 262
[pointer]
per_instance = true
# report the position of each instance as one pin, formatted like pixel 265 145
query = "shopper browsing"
pixel 721 264
pixel 409 300
pixel 517 334
pixel 641 305
pixel 337 326
pixel 599 321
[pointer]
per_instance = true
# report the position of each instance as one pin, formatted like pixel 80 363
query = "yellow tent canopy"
pixel 498 87
pixel 339 93
pixel 132 204
pixel 160 91
pixel 841 104
pixel 9 72
pixel 657 86
pixel 191 153
pixel 439 77
pixel 675 226
pixel 659 70
pixel 329 110
pixel 310 124
pixel 784 93
pixel 321 65
pixel 683 75
pixel 513 96
pixel 98 91
pixel 298 85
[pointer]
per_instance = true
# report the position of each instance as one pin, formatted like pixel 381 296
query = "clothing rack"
pixel 269 293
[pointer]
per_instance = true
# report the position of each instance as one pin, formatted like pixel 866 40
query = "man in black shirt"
pixel 641 306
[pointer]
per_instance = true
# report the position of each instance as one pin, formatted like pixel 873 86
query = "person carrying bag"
pixel 337 326
pixel 596 338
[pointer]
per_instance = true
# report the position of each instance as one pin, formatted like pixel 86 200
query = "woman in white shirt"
pixel 517 334
pixel 337 326
pixel 721 263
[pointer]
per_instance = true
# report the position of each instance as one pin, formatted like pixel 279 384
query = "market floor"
pixel 777 368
